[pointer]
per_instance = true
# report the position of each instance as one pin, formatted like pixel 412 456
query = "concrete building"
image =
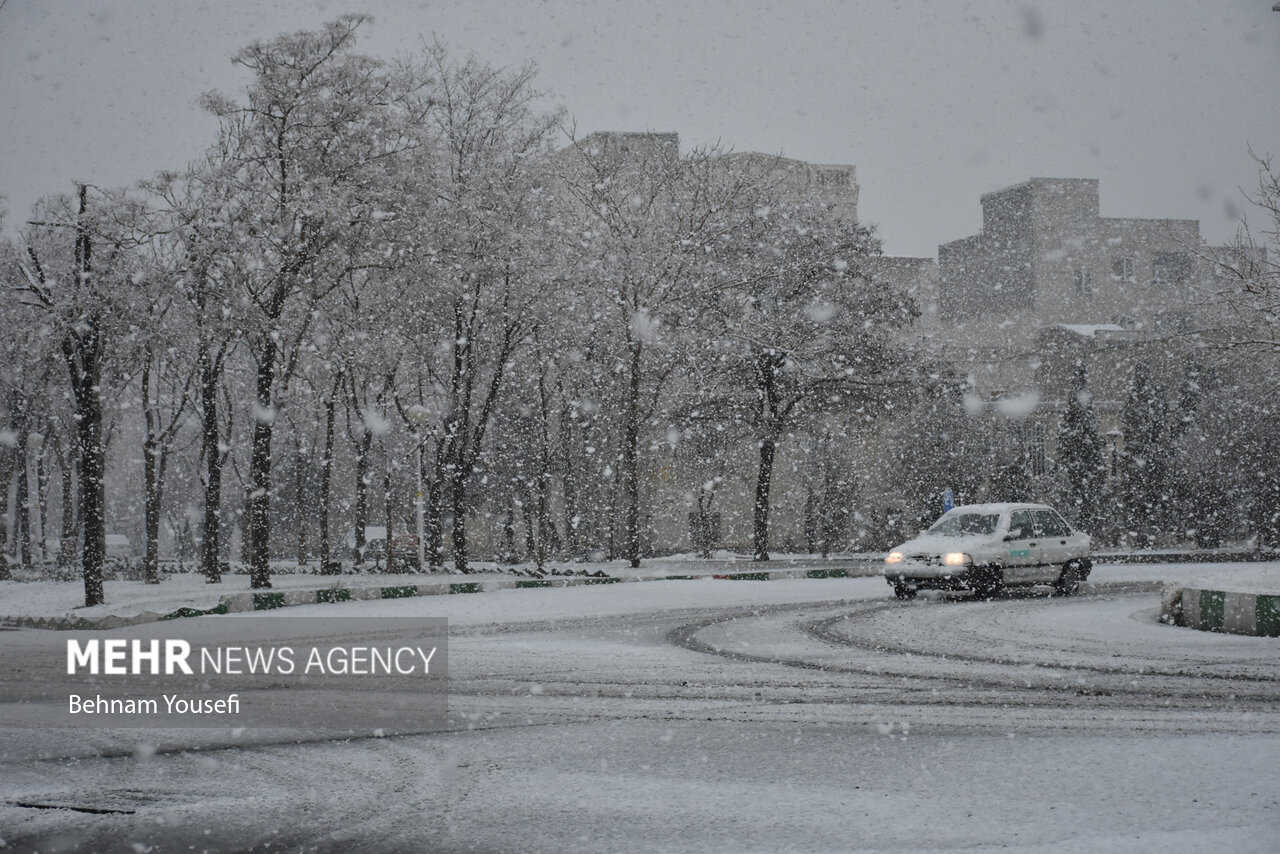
pixel 832 186
pixel 1050 285
pixel 630 145
pixel 1046 256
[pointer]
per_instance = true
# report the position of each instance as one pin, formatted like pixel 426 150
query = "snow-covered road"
pixel 799 715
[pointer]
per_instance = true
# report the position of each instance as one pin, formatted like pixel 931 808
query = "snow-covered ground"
pixel 1258 579
pixel 43 598
pixel 189 590
pixel 707 715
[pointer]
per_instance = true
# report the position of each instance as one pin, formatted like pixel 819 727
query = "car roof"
pixel 997 508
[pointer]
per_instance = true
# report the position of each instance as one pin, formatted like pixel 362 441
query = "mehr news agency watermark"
pixel 385 674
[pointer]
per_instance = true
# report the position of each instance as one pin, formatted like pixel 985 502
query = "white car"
pixel 988 547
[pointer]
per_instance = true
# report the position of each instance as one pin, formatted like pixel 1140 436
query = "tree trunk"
pixel 569 486
pixel 326 476
pixel 630 462
pixel 67 542
pixel 301 488
pixel 42 496
pixel 22 502
pixel 362 493
pixel 811 522
pixel 760 516
pixel 432 522
pixel 458 497
pixel 92 467
pixel 258 553
pixel 82 350
pixel 388 511
pixel 768 364
pixel 529 517
pixel 151 478
pixel 210 435
pixel 542 483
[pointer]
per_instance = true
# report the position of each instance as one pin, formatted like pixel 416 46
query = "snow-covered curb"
pixel 1218 610
pixel 272 599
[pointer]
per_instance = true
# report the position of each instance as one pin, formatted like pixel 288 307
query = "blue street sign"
pixel 948 500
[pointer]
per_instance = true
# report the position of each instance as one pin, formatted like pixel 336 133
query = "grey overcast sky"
pixel 934 102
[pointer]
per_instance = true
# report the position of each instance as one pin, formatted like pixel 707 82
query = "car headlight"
pixel 956 559
pixel 894 557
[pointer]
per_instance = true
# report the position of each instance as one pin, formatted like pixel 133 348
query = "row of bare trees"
pixel 412 255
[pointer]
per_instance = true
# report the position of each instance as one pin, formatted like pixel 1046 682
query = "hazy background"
pixel 934 102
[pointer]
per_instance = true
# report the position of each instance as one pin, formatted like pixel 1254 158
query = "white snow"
pixel 580 723
pixel 1088 330
pixel 1261 579
pixel 1018 406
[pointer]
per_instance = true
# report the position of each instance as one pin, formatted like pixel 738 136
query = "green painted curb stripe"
pixel 1269 616
pixel 267 601
pixel 330 596
pixel 536 582
pixel 1212 610
pixel 467 587
pixel 827 573
pixel 746 576
pixel 403 592
pixel 602 581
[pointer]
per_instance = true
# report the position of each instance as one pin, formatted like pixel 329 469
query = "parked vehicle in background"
pixel 375 543
pixel 986 548
pixel 403 556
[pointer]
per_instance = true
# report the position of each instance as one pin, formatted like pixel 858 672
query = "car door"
pixel 1021 547
pixel 1052 543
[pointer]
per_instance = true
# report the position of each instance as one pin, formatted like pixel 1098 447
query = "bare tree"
pixel 480 276
pixel 312 140
pixel 81 294
pixel 812 335
pixel 1247 271
pixel 656 242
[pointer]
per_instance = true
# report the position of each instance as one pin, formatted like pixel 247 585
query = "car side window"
pixel 1049 525
pixel 1020 525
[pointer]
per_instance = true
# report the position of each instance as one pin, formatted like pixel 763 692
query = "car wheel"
pixel 904 591
pixel 1069 581
pixel 988 582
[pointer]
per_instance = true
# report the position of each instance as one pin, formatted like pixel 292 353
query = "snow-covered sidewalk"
pixel 59 603
pixel 63 600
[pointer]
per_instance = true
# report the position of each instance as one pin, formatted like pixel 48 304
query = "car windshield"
pixel 962 524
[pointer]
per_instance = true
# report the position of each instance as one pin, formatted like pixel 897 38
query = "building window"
pixel 1122 269
pixel 1084 282
pixel 1170 267
pixel 1031 436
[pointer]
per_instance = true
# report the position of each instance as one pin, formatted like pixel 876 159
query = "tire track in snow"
pixel 935 663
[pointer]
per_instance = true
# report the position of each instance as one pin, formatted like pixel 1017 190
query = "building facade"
pixel 1049 288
